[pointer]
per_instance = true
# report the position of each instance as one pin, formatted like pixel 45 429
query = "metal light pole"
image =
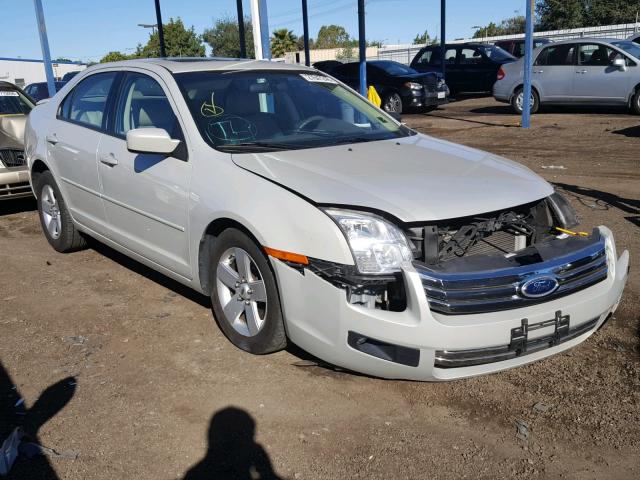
pixel 260 24
pixel 443 47
pixel 362 47
pixel 528 56
pixel 163 52
pixel 243 43
pixel 305 28
pixel 44 44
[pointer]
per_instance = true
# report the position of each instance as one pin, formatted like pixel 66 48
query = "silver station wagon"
pixel 586 71
pixel 310 216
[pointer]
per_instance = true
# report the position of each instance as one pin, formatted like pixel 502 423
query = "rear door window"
pixel 87 102
pixel 557 55
pixel 471 56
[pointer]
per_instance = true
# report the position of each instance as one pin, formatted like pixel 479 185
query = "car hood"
pixel 417 178
pixel 12 131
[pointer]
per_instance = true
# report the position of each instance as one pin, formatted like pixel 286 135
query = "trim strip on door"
pixel 124 205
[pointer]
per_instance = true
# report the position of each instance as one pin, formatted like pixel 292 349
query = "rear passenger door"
pixel 146 195
pixel 478 73
pixel 554 73
pixel 72 143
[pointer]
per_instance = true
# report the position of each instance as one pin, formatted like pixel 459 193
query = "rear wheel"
pixel 392 102
pixel 244 296
pixel 635 102
pixel 517 101
pixel 55 219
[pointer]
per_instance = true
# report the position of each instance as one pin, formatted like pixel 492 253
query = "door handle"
pixel 582 72
pixel 538 71
pixel 52 139
pixel 109 160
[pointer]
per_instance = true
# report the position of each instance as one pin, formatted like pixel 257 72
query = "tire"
pixel 246 305
pixel 516 101
pixel 392 102
pixel 55 219
pixel 635 102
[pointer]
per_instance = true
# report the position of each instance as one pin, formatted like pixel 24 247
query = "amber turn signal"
pixel 287 256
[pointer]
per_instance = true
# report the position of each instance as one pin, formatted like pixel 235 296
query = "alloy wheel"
pixel 393 103
pixel 51 212
pixel 520 101
pixel 242 292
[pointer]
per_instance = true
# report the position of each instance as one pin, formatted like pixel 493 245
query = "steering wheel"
pixel 308 121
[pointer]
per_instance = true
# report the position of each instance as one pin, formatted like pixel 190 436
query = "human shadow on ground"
pixel 604 200
pixel 628 132
pixel 233 452
pixel 14 414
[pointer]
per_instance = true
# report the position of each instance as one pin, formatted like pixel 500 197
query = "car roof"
pixel 588 40
pixel 203 64
pixel 8 85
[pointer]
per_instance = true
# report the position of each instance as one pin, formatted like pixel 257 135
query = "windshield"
pixel 496 53
pixel 629 47
pixel 252 111
pixel 394 68
pixel 13 102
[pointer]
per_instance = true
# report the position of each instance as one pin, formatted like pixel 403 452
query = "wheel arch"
pixel 207 241
pixel 37 168
pixel 521 85
pixel 634 90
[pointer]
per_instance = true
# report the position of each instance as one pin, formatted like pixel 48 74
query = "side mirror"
pixel 396 116
pixel 151 140
pixel 620 64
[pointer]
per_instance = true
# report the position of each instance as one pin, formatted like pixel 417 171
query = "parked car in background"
pixel 309 215
pixel 469 67
pixel 327 66
pixel 401 88
pixel 516 46
pixel 40 91
pixel 68 76
pixel 15 105
pixel 586 71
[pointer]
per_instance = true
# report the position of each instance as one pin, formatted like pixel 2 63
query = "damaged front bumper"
pixel 426 342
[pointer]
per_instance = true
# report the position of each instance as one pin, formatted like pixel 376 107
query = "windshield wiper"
pixel 258 147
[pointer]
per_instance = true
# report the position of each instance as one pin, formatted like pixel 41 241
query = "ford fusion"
pixel 310 216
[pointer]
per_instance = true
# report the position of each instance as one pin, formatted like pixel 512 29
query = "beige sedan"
pixel 14 175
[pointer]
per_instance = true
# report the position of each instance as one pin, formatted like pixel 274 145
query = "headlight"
pixel 377 245
pixel 413 85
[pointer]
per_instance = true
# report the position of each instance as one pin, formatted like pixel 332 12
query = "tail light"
pixel 501 73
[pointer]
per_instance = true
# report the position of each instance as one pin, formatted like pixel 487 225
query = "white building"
pixel 23 71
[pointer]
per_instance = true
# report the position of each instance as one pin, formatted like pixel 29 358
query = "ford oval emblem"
pixel 539 286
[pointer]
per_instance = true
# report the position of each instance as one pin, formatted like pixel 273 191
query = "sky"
pixel 88 29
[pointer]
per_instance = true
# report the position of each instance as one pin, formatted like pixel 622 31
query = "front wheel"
pixel 517 101
pixel 244 297
pixel 392 103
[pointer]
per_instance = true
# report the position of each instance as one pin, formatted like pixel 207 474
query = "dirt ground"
pixel 134 377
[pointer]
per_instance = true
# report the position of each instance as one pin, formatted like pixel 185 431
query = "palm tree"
pixel 283 41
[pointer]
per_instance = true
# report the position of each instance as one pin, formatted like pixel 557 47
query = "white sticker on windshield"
pixel 10 93
pixel 310 77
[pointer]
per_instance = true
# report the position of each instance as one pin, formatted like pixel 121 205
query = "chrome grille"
pixel 491 290
pixel 12 157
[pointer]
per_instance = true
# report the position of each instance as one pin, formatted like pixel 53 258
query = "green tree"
pixel 178 41
pixel 346 54
pixel 224 38
pixel 114 57
pixel 508 26
pixel 560 14
pixel 283 41
pixel 333 36
pixel 424 38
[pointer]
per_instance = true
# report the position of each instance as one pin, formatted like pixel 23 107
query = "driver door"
pixel 146 195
